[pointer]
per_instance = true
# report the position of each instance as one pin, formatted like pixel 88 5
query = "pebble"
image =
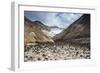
pixel 54 52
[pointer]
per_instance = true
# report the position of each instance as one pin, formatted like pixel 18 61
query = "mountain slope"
pixel 77 32
pixel 35 32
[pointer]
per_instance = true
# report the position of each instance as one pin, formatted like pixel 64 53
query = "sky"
pixel 59 19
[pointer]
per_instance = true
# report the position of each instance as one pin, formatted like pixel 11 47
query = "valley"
pixel 71 43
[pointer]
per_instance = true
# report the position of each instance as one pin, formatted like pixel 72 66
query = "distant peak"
pixel 38 22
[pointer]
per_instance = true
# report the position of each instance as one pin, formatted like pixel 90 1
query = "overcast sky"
pixel 59 19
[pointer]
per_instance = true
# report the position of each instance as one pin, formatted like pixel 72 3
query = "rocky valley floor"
pixel 47 51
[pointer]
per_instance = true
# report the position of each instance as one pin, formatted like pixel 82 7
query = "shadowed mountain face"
pixel 77 32
pixel 35 32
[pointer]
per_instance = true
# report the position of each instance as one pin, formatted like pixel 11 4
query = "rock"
pixel 48 52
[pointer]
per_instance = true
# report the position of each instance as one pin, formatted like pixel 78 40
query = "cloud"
pixel 59 19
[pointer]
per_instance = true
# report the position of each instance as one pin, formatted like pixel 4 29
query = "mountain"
pixel 35 32
pixel 55 27
pixel 37 23
pixel 77 32
pixel 40 24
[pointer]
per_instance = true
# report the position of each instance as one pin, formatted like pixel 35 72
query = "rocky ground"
pixel 47 51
